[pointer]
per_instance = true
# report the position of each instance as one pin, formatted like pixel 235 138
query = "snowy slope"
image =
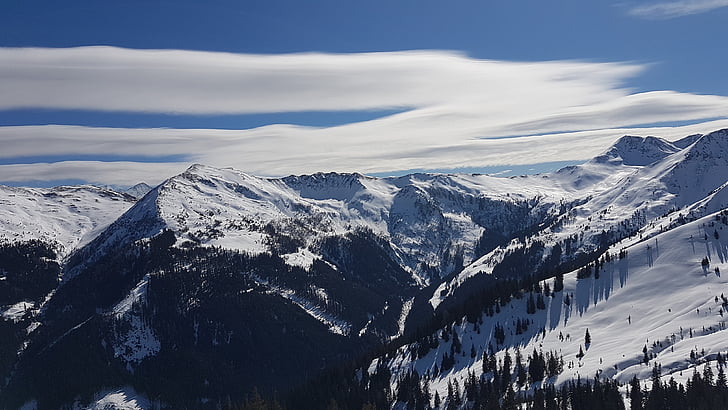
pixel 621 192
pixel 351 257
pixel 67 217
pixel 426 218
pixel 433 223
pixel 659 293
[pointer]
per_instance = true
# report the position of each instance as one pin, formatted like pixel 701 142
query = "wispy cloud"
pixel 194 82
pixel 456 111
pixel 284 150
pixel 668 10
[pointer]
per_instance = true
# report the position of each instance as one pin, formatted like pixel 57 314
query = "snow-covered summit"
pixel 66 217
pixel 138 190
pixel 638 151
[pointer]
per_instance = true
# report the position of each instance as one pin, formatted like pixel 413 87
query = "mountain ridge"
pixel 345 261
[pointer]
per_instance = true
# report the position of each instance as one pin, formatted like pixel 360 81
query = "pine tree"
pixel 720 382
pixel 456 393
pixel 505 371
pixel 708 374
pixel 519 370
pixel 645 357
pixel 509 399
pixel 587 338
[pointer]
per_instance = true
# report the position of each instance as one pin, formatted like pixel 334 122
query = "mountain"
pixel 652 302
pixel 138 190
pixel 65 217
pixel 216 282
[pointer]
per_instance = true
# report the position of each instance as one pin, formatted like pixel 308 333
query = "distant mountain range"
pixel 216 283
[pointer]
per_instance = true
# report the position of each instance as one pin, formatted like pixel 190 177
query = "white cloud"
pixel 456 108
pixel 94 172
pixel 284 150
pixel 680 8
pixel 194 82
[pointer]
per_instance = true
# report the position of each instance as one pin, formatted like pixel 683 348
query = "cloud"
pixel 677 8
pixel 119 173
pixel 284 150
pixel 457 111
pixel 194 82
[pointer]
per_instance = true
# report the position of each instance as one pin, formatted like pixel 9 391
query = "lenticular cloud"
pixel 455 111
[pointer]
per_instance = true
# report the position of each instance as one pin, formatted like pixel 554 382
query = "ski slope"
pixel 659 296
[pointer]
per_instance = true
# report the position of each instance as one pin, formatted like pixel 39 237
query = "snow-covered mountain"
pixel 652 302
pixel 65 217
pixel 263 282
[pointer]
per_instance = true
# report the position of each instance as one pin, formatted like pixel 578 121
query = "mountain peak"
pixel 715 143
pixel 637 151
pixel 138 190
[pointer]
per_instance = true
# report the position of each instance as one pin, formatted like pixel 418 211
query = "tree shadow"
pixel 582 298
pixel 592 290
pixel 721 250
pixel 555 308
pixel 623 266
pixel 650 256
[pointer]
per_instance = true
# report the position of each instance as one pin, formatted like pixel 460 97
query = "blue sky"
pixel 379 87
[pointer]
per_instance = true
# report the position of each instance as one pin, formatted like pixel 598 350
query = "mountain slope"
pixel 65 217
pixel 658 295
pixel 217 281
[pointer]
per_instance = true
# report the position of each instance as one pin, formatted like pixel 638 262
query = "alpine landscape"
pixel 396 205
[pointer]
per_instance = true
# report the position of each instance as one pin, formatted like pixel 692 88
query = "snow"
pixel 406 308
pixel 124 398
pixel 66 217
pixel 15 312
pixel 134 296
pixel 658 294
pixel 134 340
pixel 138 190
pixel 304 258
pixel 335 325
pixel 638 189
pixel 636 178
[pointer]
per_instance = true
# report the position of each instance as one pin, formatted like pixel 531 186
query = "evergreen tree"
pixel 587 338
pixel 519 369
pixel 509 399
pixel 635 394
pixel 720 382
pixel 506 370
pixel 536 367
pixel 708 374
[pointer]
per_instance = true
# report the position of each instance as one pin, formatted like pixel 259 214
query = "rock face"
pixel 216 281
